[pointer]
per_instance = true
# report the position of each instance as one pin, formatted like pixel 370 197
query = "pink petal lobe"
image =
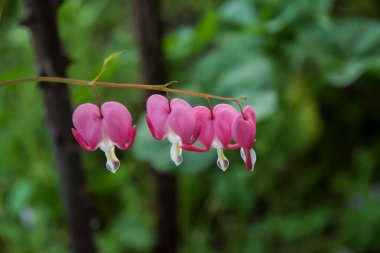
pixel 194 148
pixel 158 111
pixel 116 122
pixel 233 146
pixel 249 113
pixel 87 123
pixel 224 115
pixel 243 132
pixel 196 133
pixel 182 119
pixel 82 142
pixel 151 128
pixel 203 119
pixel 131 138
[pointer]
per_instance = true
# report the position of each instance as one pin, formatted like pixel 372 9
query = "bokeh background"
pixel 311 69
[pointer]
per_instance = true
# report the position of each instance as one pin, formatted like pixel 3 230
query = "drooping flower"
pixel 244 133
pixel 215 132
pixel 174 120
pixel 104 128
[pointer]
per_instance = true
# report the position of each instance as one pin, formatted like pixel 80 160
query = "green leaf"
pixel 180 44
pixel 107 61
pixel 345 50
pixel 238 67
pixel 205 30
pixel 238 12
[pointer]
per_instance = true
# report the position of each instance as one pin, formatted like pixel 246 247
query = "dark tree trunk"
pixel 149 38
pixel 40 17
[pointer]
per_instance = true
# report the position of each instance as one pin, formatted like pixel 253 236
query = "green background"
pixel 311 69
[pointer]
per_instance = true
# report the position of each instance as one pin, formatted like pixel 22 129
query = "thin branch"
pixel 162 88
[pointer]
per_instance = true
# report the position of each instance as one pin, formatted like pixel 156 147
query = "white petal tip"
pixel 223 164
pixel 178 160
pixel 113 166
pixel 176 153
pixel 113 163
pixel 222 161
pixel 250 163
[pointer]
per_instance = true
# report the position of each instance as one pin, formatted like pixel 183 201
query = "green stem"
pixel 162 88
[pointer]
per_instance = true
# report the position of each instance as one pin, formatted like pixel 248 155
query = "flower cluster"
pixel 222 127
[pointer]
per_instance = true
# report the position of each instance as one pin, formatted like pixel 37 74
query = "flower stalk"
pixel 162 88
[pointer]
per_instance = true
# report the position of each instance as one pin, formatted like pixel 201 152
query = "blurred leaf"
pixel 238 67
pixel 238 12
pixel 180 44
pixel 187 41
pixel 129 231
pixel 8 13
pixel 205 30
pixel 345 50
pixel 20 196
pixel 254 78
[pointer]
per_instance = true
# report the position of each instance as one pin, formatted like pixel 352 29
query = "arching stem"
pixel 162 88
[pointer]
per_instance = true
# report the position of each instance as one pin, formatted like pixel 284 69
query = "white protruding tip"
pixel 176 153
pixel 222 161
pixel 252 154
pixel 113 163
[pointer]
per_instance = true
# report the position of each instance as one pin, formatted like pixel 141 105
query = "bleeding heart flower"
pixel 215 132
pixel 244 133
pixel 174 120
pixel 104 127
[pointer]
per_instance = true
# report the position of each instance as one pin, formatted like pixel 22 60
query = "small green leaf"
pixel 107 61
pixel 112 57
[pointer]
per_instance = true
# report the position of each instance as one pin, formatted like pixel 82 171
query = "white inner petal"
pixel 222 161
pixel 252 154
pixel 175 150
pixel 107 146
pixel 216 144
pixel 242 154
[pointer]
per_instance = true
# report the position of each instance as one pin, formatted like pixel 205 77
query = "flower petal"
pixel 222 161
pixel 116 122
pixel 151 128
pixel 113 163
pixel 251 155
pixel 243 131
pixel 176 153
pixel 203 119
pixel 224 116
pixel 158 111
pixel 131 138
pixel 181 119
pixel 81 141
pixel 87 123
pixel 250 114
pixel 194 148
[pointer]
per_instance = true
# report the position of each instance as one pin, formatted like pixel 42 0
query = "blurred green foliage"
pixel 311 70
